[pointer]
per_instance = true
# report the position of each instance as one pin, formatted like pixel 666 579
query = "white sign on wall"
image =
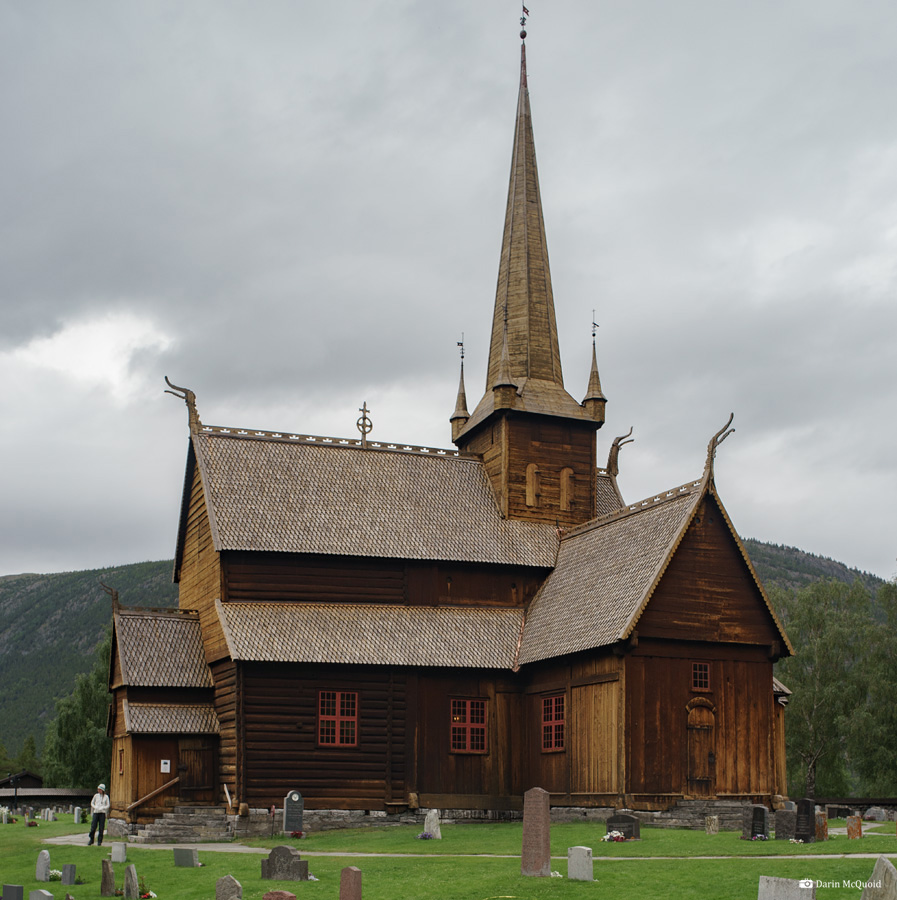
pixel 166 766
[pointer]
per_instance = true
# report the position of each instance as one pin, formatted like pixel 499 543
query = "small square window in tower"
pixel 700 676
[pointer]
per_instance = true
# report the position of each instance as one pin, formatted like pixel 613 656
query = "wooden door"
pixel 196 770
pixel 701 728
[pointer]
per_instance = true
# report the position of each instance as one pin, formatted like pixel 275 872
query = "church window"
pixel 338 719
pixel 468 726
pixel 533 485
pixel 700 676
pixel 553 723
pixel 567 489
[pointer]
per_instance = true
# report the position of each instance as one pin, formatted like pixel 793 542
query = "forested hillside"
pixel 49 628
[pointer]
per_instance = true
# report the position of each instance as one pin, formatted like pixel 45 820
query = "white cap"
pixel 101 787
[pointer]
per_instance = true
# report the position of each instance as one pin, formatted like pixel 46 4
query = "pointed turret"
pixel 594 400
pixel 460 416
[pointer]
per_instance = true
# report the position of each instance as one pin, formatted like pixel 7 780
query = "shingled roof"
pixel 283 493
pixel 160 648
pixel 372 634
pixel 170 718
pixel 603 575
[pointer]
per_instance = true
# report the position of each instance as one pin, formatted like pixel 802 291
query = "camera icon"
pixel 805 883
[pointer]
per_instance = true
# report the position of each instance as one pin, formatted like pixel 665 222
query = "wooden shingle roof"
pixel 282 493
pixel 160 648
pixel 604 574
pixel 170 718
pixel 372 634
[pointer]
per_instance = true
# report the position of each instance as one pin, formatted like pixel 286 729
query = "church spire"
pixel 594 400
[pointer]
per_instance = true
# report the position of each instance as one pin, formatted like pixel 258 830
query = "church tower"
pixel 538 443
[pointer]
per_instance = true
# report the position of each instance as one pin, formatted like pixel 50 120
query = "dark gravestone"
pixel 107 879
pixel 13 892
pixel 293 808
pixel 535 858
pixel 805 823
pixel 284 864
pixel 759 822
pixel 68 874
pixel 628 826
pixel 786 820
pixel 186 857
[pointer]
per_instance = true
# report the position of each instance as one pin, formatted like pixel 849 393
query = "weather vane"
pixel 364 423
pixel 523 16
pixel 594 327
pixel 461 345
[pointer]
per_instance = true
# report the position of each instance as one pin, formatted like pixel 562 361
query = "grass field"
pixel 664 865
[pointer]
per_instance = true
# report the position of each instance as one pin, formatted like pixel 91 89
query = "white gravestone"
pixel 580 866
pixel 431 824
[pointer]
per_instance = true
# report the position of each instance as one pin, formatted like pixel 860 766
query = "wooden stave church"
pixel 388 627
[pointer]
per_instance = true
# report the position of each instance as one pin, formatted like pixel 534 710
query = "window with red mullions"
pixel 338 718
pixel 700 676
pixel 468 726
pixel 553 723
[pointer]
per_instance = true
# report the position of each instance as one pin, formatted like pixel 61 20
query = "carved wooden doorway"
pixel 196 770
pixel 701 728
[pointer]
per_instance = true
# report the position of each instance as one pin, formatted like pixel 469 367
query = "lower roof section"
pixel 170 718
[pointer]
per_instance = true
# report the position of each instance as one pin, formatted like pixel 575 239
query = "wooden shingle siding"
pixel 280 738
pixel 707 592
pixel 200 571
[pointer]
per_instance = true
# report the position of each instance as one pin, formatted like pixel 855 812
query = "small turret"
pixel 594 400
pixel 460 416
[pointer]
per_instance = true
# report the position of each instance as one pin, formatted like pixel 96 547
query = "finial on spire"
pixel 523 16
pixel 594 329
pixel 364 423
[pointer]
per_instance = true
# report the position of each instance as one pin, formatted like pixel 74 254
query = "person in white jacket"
pixel 99 807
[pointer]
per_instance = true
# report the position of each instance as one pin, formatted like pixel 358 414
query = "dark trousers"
pixel 98 820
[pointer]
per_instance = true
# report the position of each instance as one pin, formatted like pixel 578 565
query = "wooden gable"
pixel 708 591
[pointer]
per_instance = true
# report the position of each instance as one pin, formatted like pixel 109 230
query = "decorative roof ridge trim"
pixel 283 437
pixel 631 509
pixel 401 607
pixel 744 555
pixel 172 611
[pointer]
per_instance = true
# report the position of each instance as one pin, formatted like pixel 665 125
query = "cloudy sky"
pixel 293 208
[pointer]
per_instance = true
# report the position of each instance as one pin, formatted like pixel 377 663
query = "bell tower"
pixel 538 443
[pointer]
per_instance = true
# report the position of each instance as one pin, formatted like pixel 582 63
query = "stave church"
pixel 389 627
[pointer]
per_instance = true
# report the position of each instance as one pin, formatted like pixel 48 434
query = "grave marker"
pixel 279 895
pixel 13 892
pixel 628 826
pixel 293 809
pixel 711 825
pixel 186 857
pixel 431 824
pixel 535 859
pixel 821 826
pixel 40 894
pixel 228 888
pixel 785 889
pixel 755 822
pixel 68 873
pixel 77 815
pixel 854 828
pixel 284 864
pixel 580 865
pixel 882 883
pixel 107 879
pixel 786 824
pixel 350 883
pixel 132 888
pixel 805 823
pixel 42 869
pixel 119 852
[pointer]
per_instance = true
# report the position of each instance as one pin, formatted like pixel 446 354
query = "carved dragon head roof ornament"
pixel 190 399
pixel 714 443
pixel 613 457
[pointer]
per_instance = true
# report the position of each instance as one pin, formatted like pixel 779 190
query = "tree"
pixel 873 740
pixel 77 752
pixel 28 760
pixel 829 624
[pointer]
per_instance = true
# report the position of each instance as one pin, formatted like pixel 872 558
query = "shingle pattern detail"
pixel 372 634
pixel 603 574
pixel 161 648
pixel 607 494
pixel 304 498
pixel 171 718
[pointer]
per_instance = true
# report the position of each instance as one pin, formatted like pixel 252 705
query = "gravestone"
pixel 77 815
pixel 821 826
pixel 284 864
pixel 40 895
pixel 350 883
pixel 119 852
pixel 628 826
pixel 805 823
pixel 755 822
pixel 68 874
pixel 711 825
pixel 42 869
pixel 132 887
pixel 854 828
pixel 5 816
pixel 431 824
pixel 228 888
pixel 786 823
pixel 580 866
pixel 535 859
pixel 279 895
pixel 882 885
pixel 186 857
pixel 876 814
pixel 785 889
pixel 838 812
pixel 107 879
pixel 790 805
pixel 51 816
pixel 293 809
pixel 13 892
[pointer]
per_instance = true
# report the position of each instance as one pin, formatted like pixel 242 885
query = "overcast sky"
pixel 293 208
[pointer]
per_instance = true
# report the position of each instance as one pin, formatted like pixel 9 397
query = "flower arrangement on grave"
pixel 759 837
pixel 297 834
pixel 31 824
pixel 424 836
pixel 143 891
pixel 614 836
pixel 795 841
pixel 55 875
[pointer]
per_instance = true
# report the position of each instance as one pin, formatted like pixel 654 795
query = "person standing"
pixel 99 807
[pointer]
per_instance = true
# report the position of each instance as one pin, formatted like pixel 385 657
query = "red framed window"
pixel 700 676
pixel 553 723
pixel 338 719
pixel 469 726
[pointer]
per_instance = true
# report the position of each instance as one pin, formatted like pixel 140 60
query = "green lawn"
pixel 672 871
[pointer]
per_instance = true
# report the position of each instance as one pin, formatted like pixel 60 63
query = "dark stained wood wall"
pixel 658 693
pixel 279 740
pixel 224 678
pixel 707 592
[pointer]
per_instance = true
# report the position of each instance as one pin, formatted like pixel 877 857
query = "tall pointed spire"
pixel 594 400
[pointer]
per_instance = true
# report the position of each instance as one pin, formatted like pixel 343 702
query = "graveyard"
pixel 469 862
